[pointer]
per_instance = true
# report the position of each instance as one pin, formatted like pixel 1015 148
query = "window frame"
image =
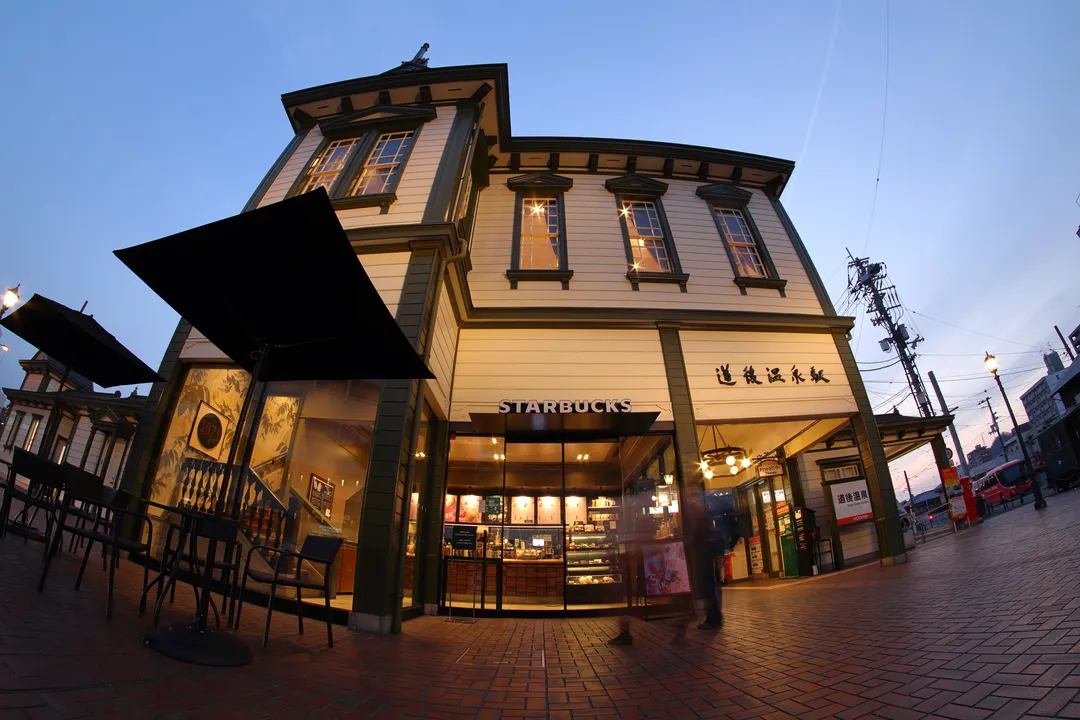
pixel 16 425
pixel 630 188
pixel 722 196
pixel 32 432
pixel 546 186
pixel 366 130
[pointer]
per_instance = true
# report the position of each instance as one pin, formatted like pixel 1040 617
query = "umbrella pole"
pixel 196 642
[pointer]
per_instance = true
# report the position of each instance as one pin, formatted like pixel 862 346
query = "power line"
pixel 976 332
pixel 884 116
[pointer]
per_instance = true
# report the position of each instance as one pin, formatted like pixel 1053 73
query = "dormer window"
pixel 650 249
pixel 384 164
pixel 648 246
pixel 539 251
pixel 364 155
pixel 324 171
pixel 750 260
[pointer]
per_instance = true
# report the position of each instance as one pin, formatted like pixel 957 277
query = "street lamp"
pixel 9 299
pixel 991 364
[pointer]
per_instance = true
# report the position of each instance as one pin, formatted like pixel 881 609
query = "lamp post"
pixel 991 364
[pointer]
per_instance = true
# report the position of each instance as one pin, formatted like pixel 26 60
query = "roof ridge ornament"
pixel 419 62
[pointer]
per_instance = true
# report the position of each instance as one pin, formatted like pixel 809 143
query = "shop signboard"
pixel 321 495
pixel 565 407
pixel 770 468
pixel 463 537
pixel 851 502
pixel 665 570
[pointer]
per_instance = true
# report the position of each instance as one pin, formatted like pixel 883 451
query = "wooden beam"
pixel 736 175
pixel 669 167
pixel 631 164
pixel 594 161
pixel 553 162
pixel 424 95
pixel 774 186
pixel 302 119
pixel 703 171
pixel 515 161
pixel 492 159
pixel 481 93
pixel 346 104
pixel 384 97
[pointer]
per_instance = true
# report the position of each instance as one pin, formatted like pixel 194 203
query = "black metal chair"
pixel 226 532
pixel 316 550
pixel 46 483
pixel 112 509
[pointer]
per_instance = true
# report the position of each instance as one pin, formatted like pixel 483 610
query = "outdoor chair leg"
pixel 48 561
pixel 329 621
pixel 82 568
pixel 5 510
pixel 240 604
pixel 299 612
pixel 269 612
pixel 145 580
pixel 112 572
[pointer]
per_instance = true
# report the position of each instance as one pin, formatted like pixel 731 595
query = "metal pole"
pixel 1068 349
pixel 1040 503
pixel 994 425
pixel 911 497
pixel 952 427
pixel 911 510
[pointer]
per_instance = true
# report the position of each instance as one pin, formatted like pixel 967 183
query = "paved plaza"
pixel 983 624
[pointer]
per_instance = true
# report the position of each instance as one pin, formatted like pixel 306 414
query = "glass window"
pixel 539 234
pixel 16 425
pixel 383 167
pixel 28 441
pixel 326 168
pixel 647 244
pixel 741 241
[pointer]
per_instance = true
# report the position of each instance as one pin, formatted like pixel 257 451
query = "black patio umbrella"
pixel 77 342
pixel 282 293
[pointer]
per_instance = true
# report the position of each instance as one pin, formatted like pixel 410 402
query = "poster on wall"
pixel 208 431
pixel 450 509
pixel 757 561
pixel 851 502
pixel 321 495
pixel 469 509
pixel 665 570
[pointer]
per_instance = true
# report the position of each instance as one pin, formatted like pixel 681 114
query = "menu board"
pixel 450 509
pixel 665 570
pixel 547 511
pixel 575 510
pixel 851 502
pixel 522 511
pixel 321 495
pixel 469 509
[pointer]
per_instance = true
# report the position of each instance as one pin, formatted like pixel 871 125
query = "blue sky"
pixel 129 121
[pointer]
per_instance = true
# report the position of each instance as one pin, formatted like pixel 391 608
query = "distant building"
pixel 1053 363
pixel 980 455
pixel 1074 338
pixel 92 431
pixel 1042 405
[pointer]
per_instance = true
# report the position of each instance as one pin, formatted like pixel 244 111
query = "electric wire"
pixel 884 116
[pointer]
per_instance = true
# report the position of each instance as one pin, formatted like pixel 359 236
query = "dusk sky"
pixel 126 122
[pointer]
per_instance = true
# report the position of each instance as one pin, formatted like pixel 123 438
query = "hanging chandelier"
pixel 723 457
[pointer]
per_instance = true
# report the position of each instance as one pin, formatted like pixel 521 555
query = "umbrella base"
pixel 184 642
pixel 26 530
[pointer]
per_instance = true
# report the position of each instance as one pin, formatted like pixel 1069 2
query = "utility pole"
pixel 870 281
pixel 952 426
pixel 994 427
pixel 1068 350
pixel 911 498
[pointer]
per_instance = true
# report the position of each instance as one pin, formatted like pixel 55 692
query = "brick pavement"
pixel 985 624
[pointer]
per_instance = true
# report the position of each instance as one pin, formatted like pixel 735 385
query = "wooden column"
pixel 875 465
pixel 379 558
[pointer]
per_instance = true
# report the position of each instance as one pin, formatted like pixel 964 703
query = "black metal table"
pixel 191 641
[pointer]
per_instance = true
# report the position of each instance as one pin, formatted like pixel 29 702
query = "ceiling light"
pixel 730 460
pixel 734 470
pixel 708 475
pixel 668 479
pixel 494 441
pixel 745 462
pixel 704 466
